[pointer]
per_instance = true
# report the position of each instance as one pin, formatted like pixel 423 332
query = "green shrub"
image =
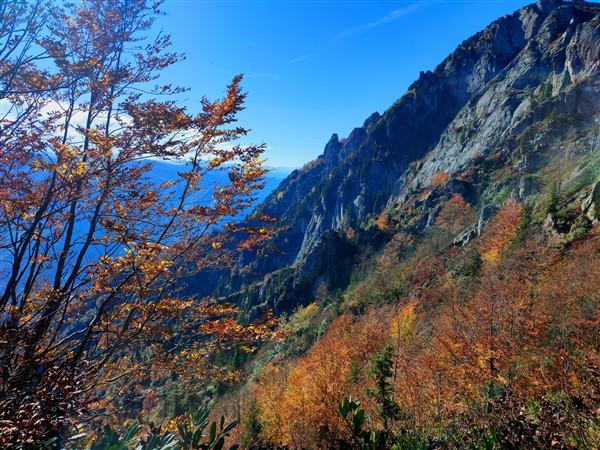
pixel 579 228
pixel 191 435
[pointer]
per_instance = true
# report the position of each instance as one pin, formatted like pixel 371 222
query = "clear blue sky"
pixel 314 67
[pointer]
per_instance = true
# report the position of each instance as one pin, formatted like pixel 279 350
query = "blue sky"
pixel 315 67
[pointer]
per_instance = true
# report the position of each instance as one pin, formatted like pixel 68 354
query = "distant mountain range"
pixel 163 171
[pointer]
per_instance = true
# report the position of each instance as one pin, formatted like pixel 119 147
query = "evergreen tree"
pixel 475 265
pixel 525 222
pixel 383 393
pixel 554 198
pixel 253 427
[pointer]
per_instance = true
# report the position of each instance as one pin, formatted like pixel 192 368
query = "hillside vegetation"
pixel 439 273
pixel 491 345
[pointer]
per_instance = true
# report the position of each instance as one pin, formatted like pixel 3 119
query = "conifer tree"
pixel 253 427
pixel 553 199
pixel 383 392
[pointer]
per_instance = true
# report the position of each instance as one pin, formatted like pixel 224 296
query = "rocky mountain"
pixel 483 123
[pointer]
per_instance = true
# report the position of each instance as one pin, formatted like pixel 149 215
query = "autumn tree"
pixel 439 179
pixel 299 403
pixel 455 215
pixel 384 221
pixel 22 83
pixel 92 246
pixel 269 392
pixel 402 332
pixel 501 231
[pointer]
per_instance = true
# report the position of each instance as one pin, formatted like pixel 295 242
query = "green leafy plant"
pixel 112 440
pixel 355 418
pixel 192 432
pixel 191 436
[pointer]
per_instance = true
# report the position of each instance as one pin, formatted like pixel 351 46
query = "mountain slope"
pixel 511 97
pixel 447 253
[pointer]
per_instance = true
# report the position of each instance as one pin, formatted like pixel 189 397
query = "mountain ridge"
pixel 486 95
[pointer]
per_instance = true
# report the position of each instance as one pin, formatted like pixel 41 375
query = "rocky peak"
pixel 560 60
pixel 371 121
pixel 332 149
pixel 546 6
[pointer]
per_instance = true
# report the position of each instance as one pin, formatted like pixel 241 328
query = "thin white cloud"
pixel 303 57
pixel 79 118
pixel 388 18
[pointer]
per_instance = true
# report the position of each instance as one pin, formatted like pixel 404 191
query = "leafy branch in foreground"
pixel 93 246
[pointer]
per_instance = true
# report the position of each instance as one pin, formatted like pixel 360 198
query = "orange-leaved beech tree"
pixel 456 215
pixel 92 246
pixel 299 401
pixel 502 230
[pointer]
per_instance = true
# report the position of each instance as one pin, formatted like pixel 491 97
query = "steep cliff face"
pixel 555 74
pixel 512 96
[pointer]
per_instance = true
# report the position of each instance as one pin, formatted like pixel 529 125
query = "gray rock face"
pixel 328 263
pixel 558 63
pixel 486 215
pixel 591 203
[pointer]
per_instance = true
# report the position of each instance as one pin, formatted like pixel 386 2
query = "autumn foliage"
pixel 501 231
pixel 506 352
pixel 93 249
pixel 300 403
pixel 455 215
pixel 439 179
